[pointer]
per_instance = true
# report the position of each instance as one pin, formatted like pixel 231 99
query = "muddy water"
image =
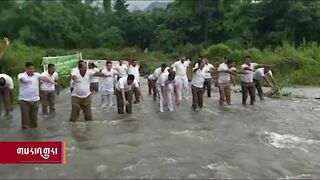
pixel 278 138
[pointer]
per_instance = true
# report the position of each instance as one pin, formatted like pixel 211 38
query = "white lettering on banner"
pixel 43 152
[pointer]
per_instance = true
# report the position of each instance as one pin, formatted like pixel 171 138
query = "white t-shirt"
pixel 163 77
pixel 198 77
pixel 259 74
pixel 94 79
pixel 134 71
pixel 208 67
pixel 122 70
pixel 81 86
pixel 123 84
pixel 29 91
pixel 106 83
pixel 163 81
pixel 151 77
pixel 248 78
pixel 181 68
pixel 47 86
pixel 224 77
pixel 9 81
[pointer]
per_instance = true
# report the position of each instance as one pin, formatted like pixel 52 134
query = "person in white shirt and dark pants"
pixel 197 83
pixel 29 95
pixel 47 94
pixel 247 85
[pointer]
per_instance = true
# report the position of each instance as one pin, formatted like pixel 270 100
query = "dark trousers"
pixel 79 104
pixel 152 88
pixel 258 86
pixel 5 99
pixel 207 84
pixel 47 99
pixel 248 88
pixel 120 105
pixel 29 114
pixel 197 97
pixel 94 87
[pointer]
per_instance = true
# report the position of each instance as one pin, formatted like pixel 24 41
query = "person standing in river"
pixel 133 68
pixel 181 67
pixel 121 69
pixel 197 84
pixel 94 81
pixel 247 85
pixel 208 78
pixel 81 95
pixel 29 95
pixel 225 72
pixel 107 85
pixel 48 89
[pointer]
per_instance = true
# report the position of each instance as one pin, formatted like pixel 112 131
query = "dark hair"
pixel 108 62
pixel 247 57
pixel 80 61
pixel 2 81
pixel 171 75
pixel 28 64
pixel 163 65
pixel 50 66
pixel 130 77
pixel 81 64
pixel 229 61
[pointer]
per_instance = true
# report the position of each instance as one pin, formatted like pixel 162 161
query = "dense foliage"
pixel 75 24
pixel 284 33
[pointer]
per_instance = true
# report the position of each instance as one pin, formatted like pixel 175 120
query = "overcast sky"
pixel 141 4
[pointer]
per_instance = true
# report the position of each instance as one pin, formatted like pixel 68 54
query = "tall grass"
pixel 291 65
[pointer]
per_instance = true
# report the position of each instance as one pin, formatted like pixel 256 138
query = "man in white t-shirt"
pixel 72 71
pixel 197 84
pixel 94 81
pixel 6 93
pixel 29 95
pixel 263 74
pixel 81 95
pixel 47 89
pixel 247 80
pixel 133 69
pixel 167 91
pixel 107 85
pixel 156 74
pixel 180 67
pixel 121 69
pixel 208 77
pixel 124 93
pixel 225 72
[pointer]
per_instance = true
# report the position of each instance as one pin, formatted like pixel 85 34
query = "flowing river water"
pixel 277 138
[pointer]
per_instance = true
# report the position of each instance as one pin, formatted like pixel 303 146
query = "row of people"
pixel 170 85
pixel 251 74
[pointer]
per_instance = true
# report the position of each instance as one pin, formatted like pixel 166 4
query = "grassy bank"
pixel 291 65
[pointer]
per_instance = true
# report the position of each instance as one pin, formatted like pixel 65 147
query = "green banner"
pixel 63 64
